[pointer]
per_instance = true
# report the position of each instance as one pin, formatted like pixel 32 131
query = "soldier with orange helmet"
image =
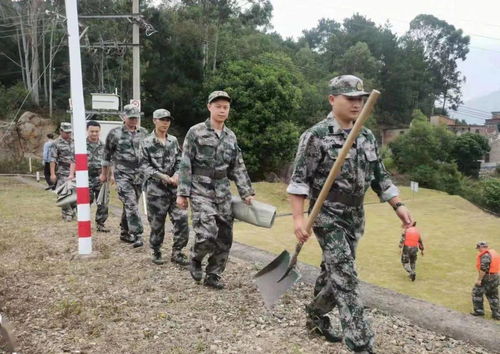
pixel 411 242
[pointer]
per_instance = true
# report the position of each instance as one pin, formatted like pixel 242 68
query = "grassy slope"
pixel 450 226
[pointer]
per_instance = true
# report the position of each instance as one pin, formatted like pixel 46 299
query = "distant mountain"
pixel 476 110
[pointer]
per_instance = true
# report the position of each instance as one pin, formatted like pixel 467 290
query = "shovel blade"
pixel 268 279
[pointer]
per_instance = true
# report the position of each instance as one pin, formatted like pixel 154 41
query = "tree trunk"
pixel 51 57
pixel 35 62
pixel 26 54
pixel 44 64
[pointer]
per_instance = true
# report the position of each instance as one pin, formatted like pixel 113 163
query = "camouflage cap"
pixel 347 85
pixel 131 111
pixel 162 113
pixel 66 127
pixel 218 94
pixel 481 244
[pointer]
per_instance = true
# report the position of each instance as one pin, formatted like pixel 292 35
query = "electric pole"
pixel 136 77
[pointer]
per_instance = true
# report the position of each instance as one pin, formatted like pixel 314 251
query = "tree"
pixel 468 149
pixel 443 46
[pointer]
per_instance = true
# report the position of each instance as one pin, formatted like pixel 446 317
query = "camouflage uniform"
pixel 63 154
pixel 409 254
pixel 95 153
pixel 208 163
pixel 340 222
pixel 123 149
pixel 163 158
pixel 489 288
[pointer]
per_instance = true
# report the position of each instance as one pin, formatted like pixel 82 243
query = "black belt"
pixel 209 172
pixel 338 196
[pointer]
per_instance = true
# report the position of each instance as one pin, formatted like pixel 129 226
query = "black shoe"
pixel 474 313
pixel 127 238
pixel 138 242
pixel 213 281
pixel 413 276
pixel 496 317
pixel 102 228
pixel 321 325
pixel 179 258
pixel 157 257
pixel 195 270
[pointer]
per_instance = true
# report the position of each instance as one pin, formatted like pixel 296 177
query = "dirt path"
pixel 120 302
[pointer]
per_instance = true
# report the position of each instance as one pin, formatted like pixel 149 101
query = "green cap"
pixel 131 110
pixel 162 113
pixel 347 85
pixel 218 94
pixel 66 127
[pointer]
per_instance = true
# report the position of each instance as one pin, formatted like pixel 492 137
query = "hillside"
pixel 451 226
pixel 475 110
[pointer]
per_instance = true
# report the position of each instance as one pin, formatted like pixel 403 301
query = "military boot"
pixel 179 258
pixel 157 257
pixel 138 241
pixel 125 237
pixel 477 313
pixel 195 270
pixel 322 326
pixel 413 276
pixel 213 281
pixel 102 228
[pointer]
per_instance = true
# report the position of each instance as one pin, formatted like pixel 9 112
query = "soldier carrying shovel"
pixel 340 222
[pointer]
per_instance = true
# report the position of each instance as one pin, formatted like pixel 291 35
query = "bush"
pixel 491 194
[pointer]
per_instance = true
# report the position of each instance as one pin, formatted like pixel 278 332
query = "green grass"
pixel 450 226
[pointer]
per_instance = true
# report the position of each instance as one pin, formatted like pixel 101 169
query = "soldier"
pixel 161 156
pixel 488 267
pixel 211 157
pixel 95 149
pixel 340 222
pixel 410 243
pixel 122 147
pixel 62 165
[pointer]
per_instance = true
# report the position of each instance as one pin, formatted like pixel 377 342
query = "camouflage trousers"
pixel 101 214
pixel 158 208
pixel 129 194
pixel 213 229
pixel 488 288
pixel 67 210
pixel 409 259
pixel 338 232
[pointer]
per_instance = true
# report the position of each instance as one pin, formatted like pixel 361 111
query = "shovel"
pixel 280 275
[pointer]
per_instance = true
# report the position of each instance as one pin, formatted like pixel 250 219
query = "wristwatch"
pixel 397 205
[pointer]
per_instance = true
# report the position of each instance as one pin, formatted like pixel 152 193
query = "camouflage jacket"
pixel 122 148
pixel 159 158
pixel 318 149
pixel 203 149
pixel 63 154
pixel 485 262
pixel 94 163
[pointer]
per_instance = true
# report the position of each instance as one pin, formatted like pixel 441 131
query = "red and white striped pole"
pixel 79 131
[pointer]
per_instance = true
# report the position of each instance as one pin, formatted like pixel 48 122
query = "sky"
pixel 478 19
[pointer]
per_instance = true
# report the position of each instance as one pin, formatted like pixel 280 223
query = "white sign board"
pixel 414 186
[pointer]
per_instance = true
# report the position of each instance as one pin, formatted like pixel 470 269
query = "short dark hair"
pixel 93 123
pixel 50 136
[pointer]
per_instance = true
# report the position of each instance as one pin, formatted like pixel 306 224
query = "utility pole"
pixel 136 71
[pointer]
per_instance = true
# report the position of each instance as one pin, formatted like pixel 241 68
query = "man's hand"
pixel 300 231
pixel 174 180
pixel 248 200
pixel 103 178
pixel 70 177
pixel 182 202
pixel 404 214
pixel 53 178
pixel 478 282
pixel 112 180
pixel 164 178
pixel 422 253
